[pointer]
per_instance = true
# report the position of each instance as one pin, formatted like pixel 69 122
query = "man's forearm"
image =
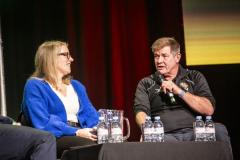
pixel 199 104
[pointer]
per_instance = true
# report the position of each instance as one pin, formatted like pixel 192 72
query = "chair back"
pixel 23 120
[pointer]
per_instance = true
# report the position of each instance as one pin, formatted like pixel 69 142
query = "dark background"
pixel 110 42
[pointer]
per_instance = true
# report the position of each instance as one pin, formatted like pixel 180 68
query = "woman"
pixel 54 102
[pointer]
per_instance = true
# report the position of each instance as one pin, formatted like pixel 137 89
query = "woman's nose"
pixel 71 59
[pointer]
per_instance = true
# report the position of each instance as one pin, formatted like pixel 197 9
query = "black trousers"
pixel 66 142
pixel 25 143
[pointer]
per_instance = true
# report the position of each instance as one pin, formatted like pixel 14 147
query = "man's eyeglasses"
pixel 66 54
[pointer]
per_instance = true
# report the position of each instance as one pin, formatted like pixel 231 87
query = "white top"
pixel 70 102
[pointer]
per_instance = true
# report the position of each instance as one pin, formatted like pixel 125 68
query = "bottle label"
pixel 159 130
pixel 102 132
pixel 148 130
pixel 209 130
pixel 199 130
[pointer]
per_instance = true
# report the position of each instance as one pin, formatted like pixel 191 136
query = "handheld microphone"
pixel 159 80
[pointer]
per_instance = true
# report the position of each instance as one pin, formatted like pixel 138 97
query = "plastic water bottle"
pixel 116 131
pixel 209 129
pixel 158 134
pixel 148 130
pixel 199 129
pixel 102 131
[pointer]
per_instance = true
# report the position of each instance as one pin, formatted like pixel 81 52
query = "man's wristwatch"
pixel 181 94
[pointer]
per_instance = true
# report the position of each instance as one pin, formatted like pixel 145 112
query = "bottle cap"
pixel 208 117
pixel 148 118
pixel 157 118
pixel 101 118
pixel 199 117
pixel 115 118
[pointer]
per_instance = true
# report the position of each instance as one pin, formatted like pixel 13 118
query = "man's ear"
pixel 178 56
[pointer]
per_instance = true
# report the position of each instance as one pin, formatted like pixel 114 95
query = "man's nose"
pixel 160 59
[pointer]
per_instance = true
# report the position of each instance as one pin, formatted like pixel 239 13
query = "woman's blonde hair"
pixel 45 62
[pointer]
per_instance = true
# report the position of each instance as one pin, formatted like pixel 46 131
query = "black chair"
pixel 23 120
pixel 6 120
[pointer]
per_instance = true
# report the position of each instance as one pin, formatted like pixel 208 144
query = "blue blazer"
pixel 45 111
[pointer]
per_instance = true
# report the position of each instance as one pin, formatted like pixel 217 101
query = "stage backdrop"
pixel 109 40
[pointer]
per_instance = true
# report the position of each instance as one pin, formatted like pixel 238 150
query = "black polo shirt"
pixel 150 99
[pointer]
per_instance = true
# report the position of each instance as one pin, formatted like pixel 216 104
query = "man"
pixel 175 94
pixel 23 143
